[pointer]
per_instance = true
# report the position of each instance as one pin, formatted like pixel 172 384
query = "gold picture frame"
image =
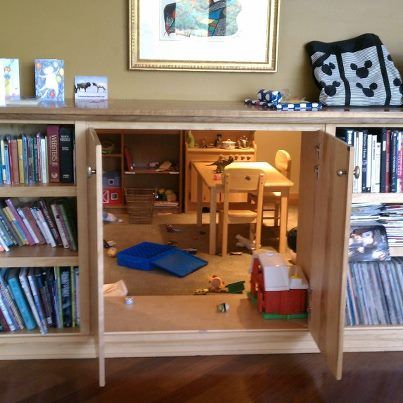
pixel 204 35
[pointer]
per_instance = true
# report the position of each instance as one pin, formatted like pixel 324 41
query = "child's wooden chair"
pixel 242 180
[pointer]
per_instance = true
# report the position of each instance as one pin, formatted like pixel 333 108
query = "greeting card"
pixel 49 79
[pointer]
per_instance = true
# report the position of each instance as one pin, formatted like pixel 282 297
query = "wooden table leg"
pixel 199 209
pixel 283 221
pixel 213 221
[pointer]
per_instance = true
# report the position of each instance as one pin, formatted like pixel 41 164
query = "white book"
pixel 44 159
pixel 356 180
pixel 28 225
pixel 6 314
pixel 369 163
pixel 377 180
pixel 373 162
pixel 37 299
pixel 359 163
pixel 43 226
pixel 3 244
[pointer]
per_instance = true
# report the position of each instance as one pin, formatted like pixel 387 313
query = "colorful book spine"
pixel 43 205
pixel 23 277
pixel 17 217
pixel 52 134
pixel 20 160
pixel 37 299
pixel 20 299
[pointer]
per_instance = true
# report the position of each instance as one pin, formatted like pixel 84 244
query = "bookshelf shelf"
pixel 375 198
pixel 38 256
pixel 49 190
pixel 70 331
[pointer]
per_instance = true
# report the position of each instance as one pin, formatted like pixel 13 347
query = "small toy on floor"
pixel 216 284
pixel 223 307
pixel 112 252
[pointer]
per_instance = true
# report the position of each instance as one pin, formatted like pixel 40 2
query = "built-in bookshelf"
pixel 374 294
pixel 39 299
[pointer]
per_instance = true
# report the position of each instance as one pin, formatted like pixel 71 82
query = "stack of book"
pixel 390 215
pixel 38 159
pixel 379 155
pixel 375 293
pixel 43 298
pixel 38 222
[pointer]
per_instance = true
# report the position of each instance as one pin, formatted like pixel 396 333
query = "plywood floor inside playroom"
pixel 231 268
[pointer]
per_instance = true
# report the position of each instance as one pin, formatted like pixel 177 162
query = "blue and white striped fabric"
pixel 286 106
pixel 355 72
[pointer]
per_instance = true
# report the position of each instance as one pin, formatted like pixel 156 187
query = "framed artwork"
pixel 204 35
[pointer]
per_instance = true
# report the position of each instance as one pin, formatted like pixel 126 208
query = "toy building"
pixel 279 290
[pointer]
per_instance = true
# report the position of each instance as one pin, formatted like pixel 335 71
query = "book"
pixel 23 277
pixel 19 221
pixel 14 163
pixel 58 296
pixel 52 134
pixel 66 144
pixel 77 294
pixel 20 298
pixel 42 224
pixel 37 298
pixel 49 218
pixel 41 275
pixel 49 79
pixel 20 160
pixel 368 243
pixel 34 225
pixel 9 301
pixel 66 296
pixel 68 222
pixel 60 224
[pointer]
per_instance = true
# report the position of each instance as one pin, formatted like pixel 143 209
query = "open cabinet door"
pixel 323 231
pixel 96 257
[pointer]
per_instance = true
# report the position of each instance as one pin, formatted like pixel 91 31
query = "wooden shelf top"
pixel 51 332
pixel 197 111
pixel 39 190
pixel 38 256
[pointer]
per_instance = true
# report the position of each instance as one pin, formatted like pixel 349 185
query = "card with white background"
pixel 90 88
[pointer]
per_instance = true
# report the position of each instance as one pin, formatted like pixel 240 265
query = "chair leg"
pixel 224 239
pixel 277 214
pixel 258 235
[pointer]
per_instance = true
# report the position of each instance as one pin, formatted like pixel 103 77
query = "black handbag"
pixel 355 72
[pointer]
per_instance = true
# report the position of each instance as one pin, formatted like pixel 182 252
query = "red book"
pixel 17 217
pixel 52 134
pixel 34 225
pixel 387 170
pixel 13 149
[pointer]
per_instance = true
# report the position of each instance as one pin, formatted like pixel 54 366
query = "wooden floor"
pixel 367 377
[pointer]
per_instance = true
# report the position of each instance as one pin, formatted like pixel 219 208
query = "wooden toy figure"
pixel 216 284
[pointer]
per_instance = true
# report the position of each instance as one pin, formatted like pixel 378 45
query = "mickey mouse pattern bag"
pixel 355 72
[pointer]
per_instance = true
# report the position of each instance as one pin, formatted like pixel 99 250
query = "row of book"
pixel 389 215
pixel 38 159
pixel 379 155
pixel 39 298
pixel 375 293
pixel 38 222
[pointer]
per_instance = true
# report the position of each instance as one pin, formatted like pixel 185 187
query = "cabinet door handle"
pixel 356 172
pixel 91 171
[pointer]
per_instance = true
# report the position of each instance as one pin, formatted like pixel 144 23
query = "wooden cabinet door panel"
pixel 327 229
pixel 95 252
